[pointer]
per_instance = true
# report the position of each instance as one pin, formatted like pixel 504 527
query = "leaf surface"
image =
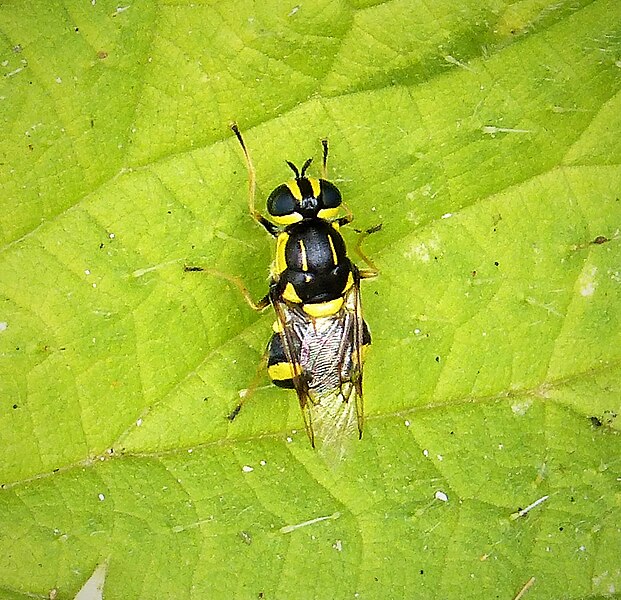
pixel 484 137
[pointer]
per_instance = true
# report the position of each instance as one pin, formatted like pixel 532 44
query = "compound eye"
pixel 330 195
pixel 281 202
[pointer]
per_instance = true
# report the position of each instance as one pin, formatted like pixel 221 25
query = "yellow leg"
pixel 372 271
pixel 252 388
pixel 252 185
pixel 237 282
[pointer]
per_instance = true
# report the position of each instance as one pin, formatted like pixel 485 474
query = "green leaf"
pixel 484 136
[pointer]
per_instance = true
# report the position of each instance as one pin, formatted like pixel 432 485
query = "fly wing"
pixel 293 324
pixel 358 349
pixel 338 417
pixel 326 358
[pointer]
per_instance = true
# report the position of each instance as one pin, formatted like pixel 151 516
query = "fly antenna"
pixel 324 162
pixel 252 177
pixel 306 165
pixel 294 169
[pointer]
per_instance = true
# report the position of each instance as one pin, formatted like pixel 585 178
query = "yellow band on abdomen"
pixel 323 309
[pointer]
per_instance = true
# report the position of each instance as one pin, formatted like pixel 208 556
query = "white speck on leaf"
pixel 439 495
pixel 458 63
pixel 521 408
pixel 290 528
pixel 524 511
pixel 247 469
pixel 586 281
pixel 419 251
pixel 3 325
pixel 493 130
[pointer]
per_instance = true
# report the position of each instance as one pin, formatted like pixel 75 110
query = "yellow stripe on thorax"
pixel 335 258
pixel 290 294
pixel 303 255
pixel 280 262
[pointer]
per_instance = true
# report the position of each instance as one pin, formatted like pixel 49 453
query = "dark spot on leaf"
pixel 422 572
pixel 473 273
pixel 14 405
pixel 496 263
pixel 234 412
pixel 560 529
pixel 437 359
pixel 600 239
pixel 101 54
pixel 595 421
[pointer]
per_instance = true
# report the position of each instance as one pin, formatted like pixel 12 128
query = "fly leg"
pixel 372 270
pixel 259 306
pixel 249 392
pixel 252 186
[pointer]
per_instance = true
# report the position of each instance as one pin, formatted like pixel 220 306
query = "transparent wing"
pixel 290 317
pixel 326 354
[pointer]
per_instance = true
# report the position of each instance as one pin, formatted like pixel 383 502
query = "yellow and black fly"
pixel 319 339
